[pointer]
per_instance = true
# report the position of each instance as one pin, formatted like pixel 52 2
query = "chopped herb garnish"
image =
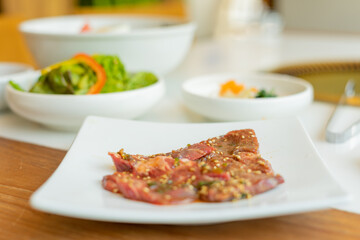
pixel 177 162
pixel 243 195
pixel 151 184
pixel 205 183
pixel 162 188
pixel 265 94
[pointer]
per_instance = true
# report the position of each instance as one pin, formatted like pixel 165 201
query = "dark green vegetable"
pixel 265 94
pixel 69 78
pixel 74 77
pixel 16 86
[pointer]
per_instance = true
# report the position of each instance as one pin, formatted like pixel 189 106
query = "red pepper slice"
pixel 97 68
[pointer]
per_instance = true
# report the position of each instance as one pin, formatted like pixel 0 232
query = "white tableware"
pixel 204 14
pixel 143 43
pixel 11 71
pixel 75 188
pixel 67 112
pixel 201 95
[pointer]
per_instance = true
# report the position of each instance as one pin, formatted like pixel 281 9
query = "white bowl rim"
pixel 180 26
pixel 124 94
pixel 25 68
pixel 298 81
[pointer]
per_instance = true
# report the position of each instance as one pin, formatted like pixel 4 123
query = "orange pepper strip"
pixel 225 86
pixel 231 86
pixel 97 68
pixel 237 88
pixel 85 28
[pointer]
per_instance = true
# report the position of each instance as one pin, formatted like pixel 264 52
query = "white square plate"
pixel 75 188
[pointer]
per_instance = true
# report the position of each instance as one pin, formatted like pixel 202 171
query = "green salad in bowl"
pixel 62 95
pixel 85 74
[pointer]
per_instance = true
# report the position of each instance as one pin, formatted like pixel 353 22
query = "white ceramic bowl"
pixel 11 71
pixel 145 43
pixel 67 112
pixel 201 96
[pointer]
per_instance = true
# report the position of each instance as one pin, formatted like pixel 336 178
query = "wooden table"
pixel 24 167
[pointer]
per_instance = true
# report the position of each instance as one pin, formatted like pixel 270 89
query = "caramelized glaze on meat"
pixel 219 169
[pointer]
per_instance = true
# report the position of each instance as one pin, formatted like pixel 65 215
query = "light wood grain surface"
pixel 24 167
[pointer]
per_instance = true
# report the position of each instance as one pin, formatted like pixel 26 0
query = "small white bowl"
pixel 11 71
pixel 67 112
pixel 146 43
pixel 201 96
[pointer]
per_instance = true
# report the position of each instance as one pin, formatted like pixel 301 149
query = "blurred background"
pixel 215 18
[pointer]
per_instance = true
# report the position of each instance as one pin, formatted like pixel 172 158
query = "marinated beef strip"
pixel 153 191
pixel 219 169
pixel 192 152
pixel 129 163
